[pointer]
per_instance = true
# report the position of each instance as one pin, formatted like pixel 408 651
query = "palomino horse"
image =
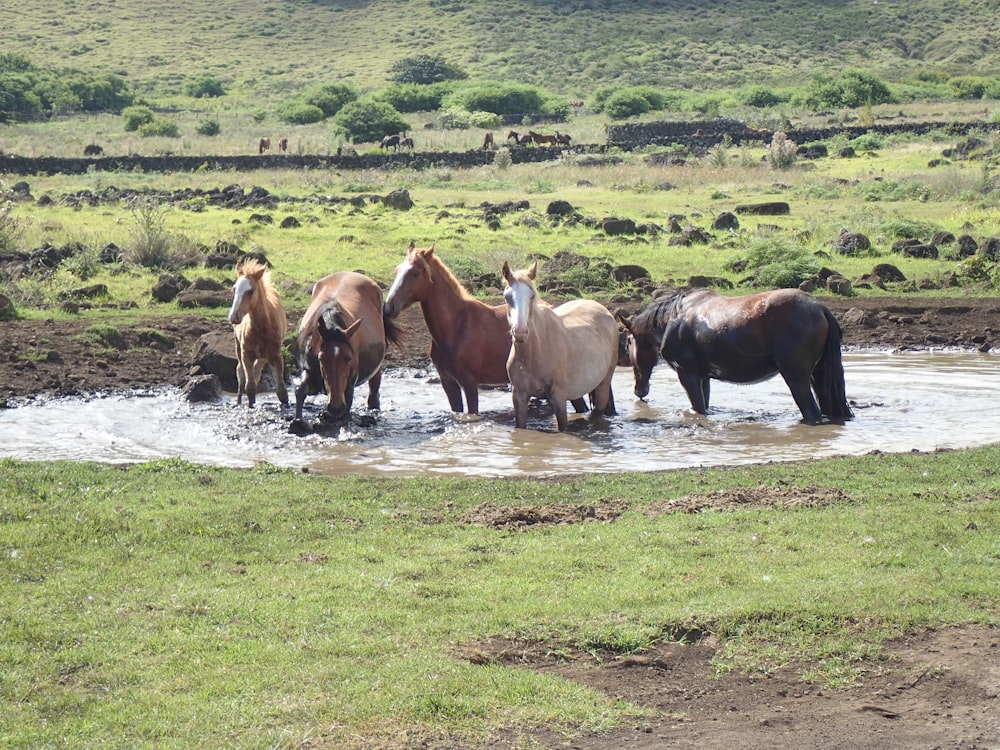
pixel 264 145
pixel 470 340
pixel 259 323
pixel 342 342
pixel 558 353
pixel 704 335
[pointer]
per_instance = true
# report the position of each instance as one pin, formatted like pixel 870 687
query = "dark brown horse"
pixel 264 145
pixel 563 139
pixel 542 139
pixel 406 142
pixel 703 335
pixel 342 342
pixel 488 144
pixel 282 144
pixel 391 141
pixel 470 340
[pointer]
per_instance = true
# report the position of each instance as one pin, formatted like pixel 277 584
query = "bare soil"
pixel 933 690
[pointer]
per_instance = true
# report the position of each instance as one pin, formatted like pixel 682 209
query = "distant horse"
pixel 563 139
pixel 259 323
pixel 703 335
pixel 92 150
pixel 391 141
pixel 282 144
pixel 470 340
pixel 559 353
pixel 520 140
pixel 264 145
pixel 488 143
pixel 406 142
pixel 342 342
pixel 541 139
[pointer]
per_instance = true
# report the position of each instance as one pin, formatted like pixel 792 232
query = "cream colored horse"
pixel 559 353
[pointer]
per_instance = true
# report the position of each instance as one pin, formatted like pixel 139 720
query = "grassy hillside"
pixel 273 48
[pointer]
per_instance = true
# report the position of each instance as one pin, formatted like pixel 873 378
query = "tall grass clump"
pixel 11 229
pixel 776 263
pixel 149 243
pixel 781 152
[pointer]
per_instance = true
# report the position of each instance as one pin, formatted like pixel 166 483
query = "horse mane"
pixel 255 269
pixel 435 264
pixel 656 314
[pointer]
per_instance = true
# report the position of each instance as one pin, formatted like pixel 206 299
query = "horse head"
pixel 643 350
pixel 520 295
pixel 249 275
pixel 338 364
pixel 410 281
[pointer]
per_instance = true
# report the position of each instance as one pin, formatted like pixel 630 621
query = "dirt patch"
pixel 526 516
pixel 932 690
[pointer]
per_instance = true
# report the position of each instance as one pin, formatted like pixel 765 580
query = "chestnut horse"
pixel 259 323
pixel 282 144
pixel 470 340
pixel 342 342
pixel 542 139
pixel 406 142
pixel 264 145
pixel 558 353
pixel 704 335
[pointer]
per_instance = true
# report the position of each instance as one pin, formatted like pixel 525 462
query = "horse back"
pixel 589 349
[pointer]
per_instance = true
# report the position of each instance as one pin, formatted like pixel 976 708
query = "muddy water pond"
pixel 903 401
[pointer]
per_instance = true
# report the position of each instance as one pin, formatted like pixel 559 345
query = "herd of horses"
pixel 265 145
pixel 564 353
pixel 529 139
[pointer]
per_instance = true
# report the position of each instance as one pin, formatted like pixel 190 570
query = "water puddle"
pixel 903 401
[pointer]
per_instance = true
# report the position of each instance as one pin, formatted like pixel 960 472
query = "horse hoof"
pixel 299 427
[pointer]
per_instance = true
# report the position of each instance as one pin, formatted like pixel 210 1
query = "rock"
pixel 851 243
pixel 967 246
pixel 706 282
pixel 191 297
pixel 215 354
pixel 399 199
pixel 202 388
pixel 169 286
pixel 559 208
pixel 627 273
pixel 888 273
pixel 290 222
pixel 772 208
pixel 839 285
pixel 726 220
pixel 990 249
pixel 856 317
pixel 615 226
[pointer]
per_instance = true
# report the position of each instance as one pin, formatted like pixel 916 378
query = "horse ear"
pixel 626 323
pixel 430 250
pixel 533 271
pixel 412 247
pixel 353 327
pixel 505 270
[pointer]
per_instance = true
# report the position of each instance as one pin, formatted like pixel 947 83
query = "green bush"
pixel 626 103
pixel 425 69
pixel 205 86
pixel 159 126
pixel 135 116
pixel 852 88
pixel 758 96
pixel 300 113
pixel 498 98
pixel 367 120
pixel 415 97
pixel 777 263
pixel 970 87
pixel 208 127
pixel 330 97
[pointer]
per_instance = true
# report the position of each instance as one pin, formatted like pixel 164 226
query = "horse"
pixel 259 324
pixel 488 144
pixel 558 353
pixel 391 141
pixel 282 144
pixel 264 145
pixel 704 335
pixel 520 140
pixel 563 139
pixel 542 139
pixel 342 342
pixel 406 142
pixel 470 340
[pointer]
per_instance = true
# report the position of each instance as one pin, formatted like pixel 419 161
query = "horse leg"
pixel 453 391
pixel 603 398
pixel 696 388
pixel 804 399
pixel 279 374
pixel 374 383
pixel 580 404
pixel 301 390
pixel 520 400
pixel 559 405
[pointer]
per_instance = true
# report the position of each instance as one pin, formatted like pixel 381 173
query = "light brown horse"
pixel 559 353
pixel 470 340
pixel 259 323
pixel 342 342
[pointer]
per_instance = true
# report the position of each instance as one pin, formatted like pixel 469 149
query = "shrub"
pixel 868 142
pixel 208 127
pixel 969 87
pixel 498 98
pixel 369 120
pixel 205 86
pixel 415 97
pixel 503 159
pixel 425 69
pixel 11 229
pixel 330 97
pixel 149 243
pixel 758 96
pixel 781 152
pixel 300 113
pixel 626 103
pixel 159 126
pixel 853 88
pixel 135 116
pixel 777 263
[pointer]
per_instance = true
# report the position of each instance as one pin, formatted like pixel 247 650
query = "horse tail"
pixel 393 332
pixel 828 375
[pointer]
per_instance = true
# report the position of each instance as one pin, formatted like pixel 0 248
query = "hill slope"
pixel 271 49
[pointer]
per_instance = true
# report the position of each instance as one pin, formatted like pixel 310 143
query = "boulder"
pixel 771 208
pixel 200 388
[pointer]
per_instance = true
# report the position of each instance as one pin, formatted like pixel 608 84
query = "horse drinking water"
pixel 259 324
pixel 342 342
pixel 470 340
pixel 559 353
pixel 703 335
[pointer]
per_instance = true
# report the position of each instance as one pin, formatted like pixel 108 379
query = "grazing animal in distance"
pixel 282 144
pixel 264 145
pixel 406 142
pixel 488 143
pixel 391 141
pixel 542 139
pixel 92 150
pixel 563 139
pixel 558 353
pixel 342 343
pixel 703 335
pixel 259 323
